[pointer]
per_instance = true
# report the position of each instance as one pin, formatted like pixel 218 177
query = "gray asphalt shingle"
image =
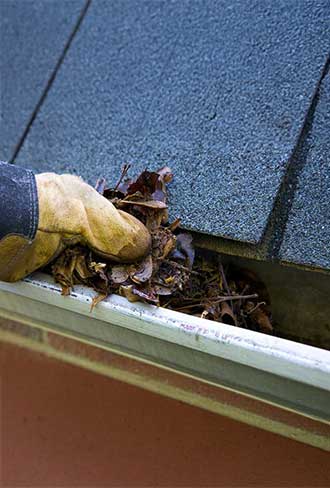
pixel 217 90
pixel 307 236
pixel 33 34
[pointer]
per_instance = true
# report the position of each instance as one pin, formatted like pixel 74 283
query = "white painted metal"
pixel 275 370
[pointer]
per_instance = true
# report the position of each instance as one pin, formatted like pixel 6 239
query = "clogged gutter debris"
pixel 173 275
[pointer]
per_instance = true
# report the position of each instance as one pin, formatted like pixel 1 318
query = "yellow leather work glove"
pixel 71 212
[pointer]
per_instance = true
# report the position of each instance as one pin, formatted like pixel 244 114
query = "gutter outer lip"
pixel 299 362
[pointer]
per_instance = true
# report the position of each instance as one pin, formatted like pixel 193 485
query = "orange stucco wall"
pixel 62 426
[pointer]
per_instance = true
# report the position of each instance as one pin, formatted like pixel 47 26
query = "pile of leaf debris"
pixel 173 275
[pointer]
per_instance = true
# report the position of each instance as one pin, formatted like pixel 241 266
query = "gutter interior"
pixel 299 300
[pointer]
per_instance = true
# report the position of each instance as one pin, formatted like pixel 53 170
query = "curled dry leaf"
pixel 81 268
pixel 148 295
pixel 259 316
pixel 227 313
pixel 144 271
pixel 120 273
pixel 172 275
pixel 262 319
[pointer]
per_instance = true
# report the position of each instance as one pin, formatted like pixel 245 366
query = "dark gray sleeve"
pixel 19 210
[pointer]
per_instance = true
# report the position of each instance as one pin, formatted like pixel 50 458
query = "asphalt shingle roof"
pixel 307 236
pixel 33 34
pixel 219 91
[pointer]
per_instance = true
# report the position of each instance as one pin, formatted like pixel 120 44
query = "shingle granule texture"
pixel 307 236
pixel 217 90
pixel 32 37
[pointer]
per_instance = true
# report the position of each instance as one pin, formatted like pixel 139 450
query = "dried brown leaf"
pixel 97 267
pixel 162 290
pixel 144 272
pixel 120 273
pixel 97 299
pixel 127 292
pixel 165 173
pixel 227 314
pixel 163 243
pixel 260 317
pixel 147 295
pixel 146 183
pixel 81 268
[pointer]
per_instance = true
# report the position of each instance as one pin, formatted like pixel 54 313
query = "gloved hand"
pixel 71 212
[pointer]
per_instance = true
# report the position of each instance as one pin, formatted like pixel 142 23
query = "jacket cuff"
pixel 19 210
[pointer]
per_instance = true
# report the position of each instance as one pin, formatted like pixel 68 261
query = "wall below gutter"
pixel 66 426
pixel 139 351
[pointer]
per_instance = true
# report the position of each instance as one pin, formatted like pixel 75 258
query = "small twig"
pixel 224 281
pixel 244 321
pixel 174 225
pixel 235 297
pixel 186 307
pixel 180 266
pixel 223 276
pixel 255 308
pixel 124 172
pixel 191 299
pixel 167 303
pixel 246 287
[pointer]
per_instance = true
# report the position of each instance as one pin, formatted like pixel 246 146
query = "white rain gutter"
pixel 276 371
